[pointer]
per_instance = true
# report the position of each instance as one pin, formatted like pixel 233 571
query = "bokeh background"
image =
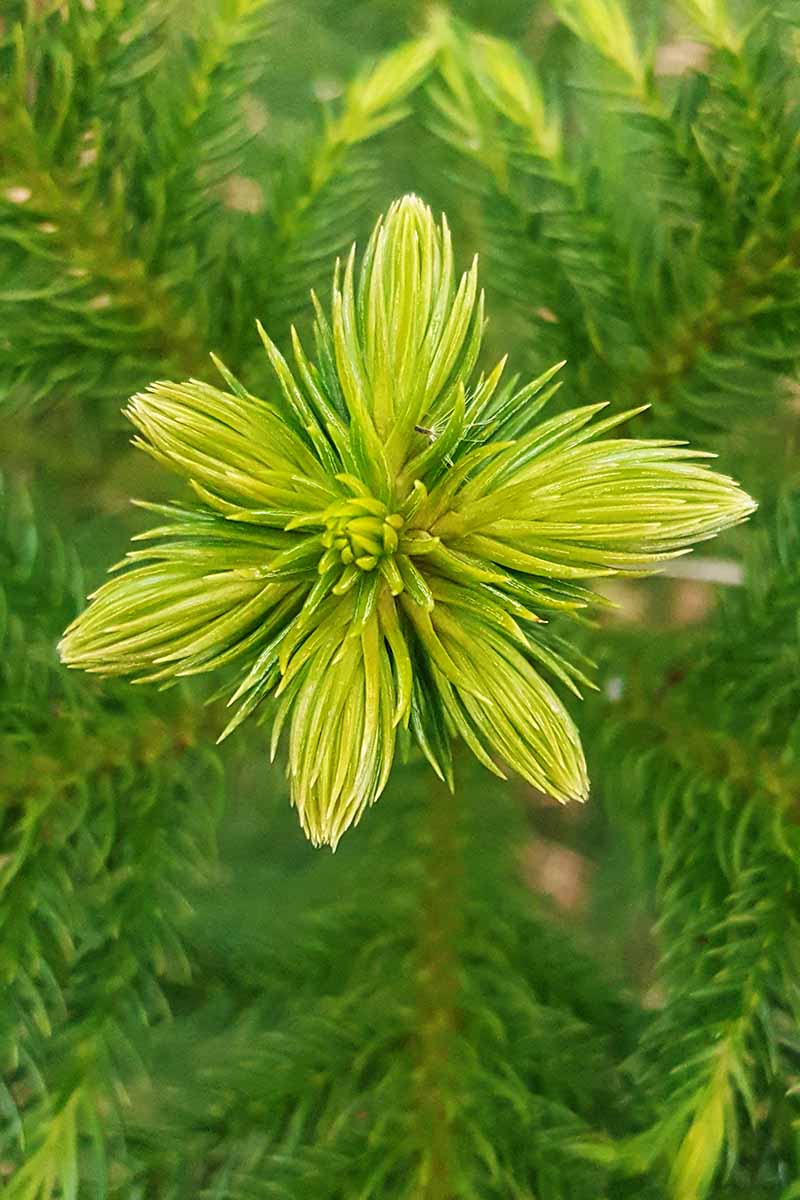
pixel 195 1002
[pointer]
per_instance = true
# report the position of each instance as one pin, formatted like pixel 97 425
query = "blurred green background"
pixel 529 1001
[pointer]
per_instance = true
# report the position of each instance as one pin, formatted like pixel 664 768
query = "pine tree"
pixel 196 1002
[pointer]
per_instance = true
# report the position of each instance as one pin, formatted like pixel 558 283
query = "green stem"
pixel 437 997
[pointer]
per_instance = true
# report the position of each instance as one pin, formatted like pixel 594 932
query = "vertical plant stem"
pixel 437 997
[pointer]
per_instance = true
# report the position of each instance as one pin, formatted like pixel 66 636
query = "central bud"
pixel 360 532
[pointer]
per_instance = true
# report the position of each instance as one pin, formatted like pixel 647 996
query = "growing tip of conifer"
pixel 375 550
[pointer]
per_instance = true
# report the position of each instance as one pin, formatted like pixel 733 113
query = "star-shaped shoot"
pixel 373 552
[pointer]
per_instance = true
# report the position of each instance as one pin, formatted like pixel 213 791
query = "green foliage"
pixel 126 242
pixel 312 226
pixel 715 829
pixel 107 813
pixel 406 1018
pixel 416 1047
pixel 657 250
